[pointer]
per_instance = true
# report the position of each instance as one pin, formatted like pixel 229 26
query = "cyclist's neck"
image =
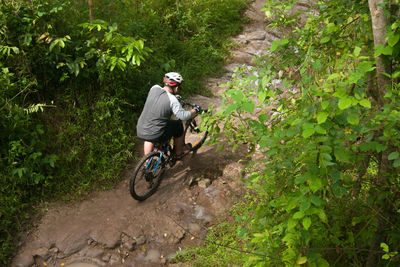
pixel 170 90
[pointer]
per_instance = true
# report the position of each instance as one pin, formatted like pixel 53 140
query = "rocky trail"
pixel 110 228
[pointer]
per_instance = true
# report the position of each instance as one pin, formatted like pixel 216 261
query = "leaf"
pixel 321 117
pixel 62 44
pixel 353 118
pixel 333 76
pixel 300 179
pixel 306 222
pixel 274 46
pixel 324 104
pixel 381 49
pixel 322 215
pixel 305 205
pixel 315 184
pixel 231 108
pixel 15 50
pixel 357 51
pixel 393 39
pixel 308 125
pixel 396 163
pixel 295 122
pixel 393 155
pixel 293 202
pixel 320 130
pixel 308 132
pixel 262 95
pixel 298 215
pixel 248 106
pixel 52 45
pixel 385 247
pixel 342 154
pixel 291 224
pixel 344 103
pixel 365 103
pixel 325 39
pixel 365 66
pixel 264 81
pixel 316 200
pixel 302 260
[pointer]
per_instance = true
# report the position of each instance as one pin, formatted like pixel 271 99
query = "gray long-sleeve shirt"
pixel 159 106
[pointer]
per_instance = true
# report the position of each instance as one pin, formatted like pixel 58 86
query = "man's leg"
pixel 178 144
pixel 175 129
pixel 148 147
pixel 181 147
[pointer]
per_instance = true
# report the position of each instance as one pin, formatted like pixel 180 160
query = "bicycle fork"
pixel 158 163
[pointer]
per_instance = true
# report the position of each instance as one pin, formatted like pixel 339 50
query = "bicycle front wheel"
pixel 147 176
pixel 193 134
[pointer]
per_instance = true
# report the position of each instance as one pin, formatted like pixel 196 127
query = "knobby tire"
pixel 144 182
pixel 193 135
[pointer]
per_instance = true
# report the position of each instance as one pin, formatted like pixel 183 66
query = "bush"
pixel 71 91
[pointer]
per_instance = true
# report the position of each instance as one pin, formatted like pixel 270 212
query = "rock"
pixel 179 210
pixel 204 183
pixel 242 57
pixel 153 256
pixel 128 243
pixel 54 250
pixel 42 253
pixel 180 235
pixel 114 259
pixel 194 227
pixel 106 257
pixel 73 248
pixel 141 240
pixel 94 252
pixel 23 260
pixel 256 35
pixel 110 238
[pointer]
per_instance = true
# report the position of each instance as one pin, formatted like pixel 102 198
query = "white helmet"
pixel 173 79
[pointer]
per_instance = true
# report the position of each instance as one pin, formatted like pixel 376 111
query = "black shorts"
pixel 174 128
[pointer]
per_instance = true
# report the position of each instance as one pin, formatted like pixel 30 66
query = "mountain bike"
pixel 149 170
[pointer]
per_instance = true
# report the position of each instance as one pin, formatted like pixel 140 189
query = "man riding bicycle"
pixel 155 124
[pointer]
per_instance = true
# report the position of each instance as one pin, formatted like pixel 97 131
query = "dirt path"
pixel 111 228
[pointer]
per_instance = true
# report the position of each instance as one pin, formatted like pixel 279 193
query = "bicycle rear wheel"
pixel 147 176
pixel 193 134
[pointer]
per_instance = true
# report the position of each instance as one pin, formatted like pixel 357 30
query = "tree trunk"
pixel 91 16
pixel 379 23
pixel 383 65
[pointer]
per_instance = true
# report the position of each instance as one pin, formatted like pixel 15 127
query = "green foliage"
pixel 328 183
pixel 71 90
pixel 97 141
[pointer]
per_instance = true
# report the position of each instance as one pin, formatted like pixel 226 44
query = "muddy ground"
pixel 111 229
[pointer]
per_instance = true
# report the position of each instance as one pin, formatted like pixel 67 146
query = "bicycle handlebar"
pixel 184 103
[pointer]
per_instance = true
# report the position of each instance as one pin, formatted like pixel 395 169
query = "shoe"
pixel 186 150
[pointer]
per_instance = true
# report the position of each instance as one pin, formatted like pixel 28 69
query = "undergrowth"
pixel 71 91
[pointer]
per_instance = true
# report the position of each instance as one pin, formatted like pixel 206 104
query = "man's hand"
pixel 197 109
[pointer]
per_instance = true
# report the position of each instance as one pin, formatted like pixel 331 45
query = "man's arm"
pixel 178 110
